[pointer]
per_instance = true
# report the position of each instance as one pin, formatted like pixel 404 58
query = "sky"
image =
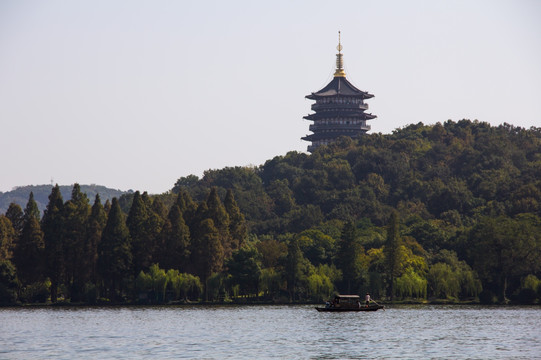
pixel 135 94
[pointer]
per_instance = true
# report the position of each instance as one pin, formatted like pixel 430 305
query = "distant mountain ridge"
pixel 19 195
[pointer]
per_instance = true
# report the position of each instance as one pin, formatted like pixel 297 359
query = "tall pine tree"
pixel 114 253
pixel 216 211
pixel 7 238
pixel 76 213
pixel 393 252
pixel 31 209
pixel 175 242
pixel 15 214
pixel 96 223
pixel 237 224
pixel 53 228
pixel 28 252
pixel 207 251
pixel 137 222
pixel 348 256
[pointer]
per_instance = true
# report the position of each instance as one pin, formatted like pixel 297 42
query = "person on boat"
pixel 367 299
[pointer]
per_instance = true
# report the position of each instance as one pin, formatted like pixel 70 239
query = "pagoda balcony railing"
pixel 338 127
pixel 320 106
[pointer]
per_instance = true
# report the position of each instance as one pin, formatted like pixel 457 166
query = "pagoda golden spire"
pixel 339 60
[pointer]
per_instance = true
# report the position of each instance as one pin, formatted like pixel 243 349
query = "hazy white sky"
pixel 135 94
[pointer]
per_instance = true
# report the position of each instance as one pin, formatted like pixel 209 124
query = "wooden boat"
pixel 343 303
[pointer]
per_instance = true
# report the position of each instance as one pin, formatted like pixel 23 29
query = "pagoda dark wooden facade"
pixel 339 109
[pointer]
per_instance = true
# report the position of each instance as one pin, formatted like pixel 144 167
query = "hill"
pixel 20 194
pixel 448 211
pixel 456 171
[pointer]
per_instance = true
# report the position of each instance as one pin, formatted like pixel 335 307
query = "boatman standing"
pixel 367 299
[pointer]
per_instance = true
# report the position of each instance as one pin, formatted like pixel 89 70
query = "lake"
pixel 270 332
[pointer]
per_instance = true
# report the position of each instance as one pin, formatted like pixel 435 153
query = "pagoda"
pixel 339 109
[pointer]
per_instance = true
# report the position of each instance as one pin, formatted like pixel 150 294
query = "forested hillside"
pixel 20 194
pixel 447 212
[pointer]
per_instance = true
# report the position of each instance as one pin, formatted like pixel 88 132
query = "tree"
pixel 449 277
pixel 137 223
pixel 348 257
pixel 15 214
pixel 31 209
pixel 8 283
pixel 28 253
pixel 157 216
pixel 216 211
pixel 77 268
pixel 174 248
pixel 114 253
pixel 282 196
pixel 271 250
pixel 53 228
pixel 237 225
pixel 208 251
pixel 95 225
pixel 501 248
pixel 245 270
pixel 7 238
pixel 392 251
pixel 293 267
pixel 185 182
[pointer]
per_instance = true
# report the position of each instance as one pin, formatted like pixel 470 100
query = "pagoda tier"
pixel 339 110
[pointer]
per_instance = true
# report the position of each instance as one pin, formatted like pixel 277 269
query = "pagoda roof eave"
pixel 339 86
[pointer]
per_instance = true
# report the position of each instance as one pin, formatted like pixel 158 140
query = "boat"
pixel 343 303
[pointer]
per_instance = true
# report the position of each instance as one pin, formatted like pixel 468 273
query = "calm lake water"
pixel 270 332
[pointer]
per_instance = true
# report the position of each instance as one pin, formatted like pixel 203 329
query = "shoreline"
pixel 438 302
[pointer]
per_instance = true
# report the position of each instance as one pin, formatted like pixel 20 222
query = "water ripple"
pixel 270 332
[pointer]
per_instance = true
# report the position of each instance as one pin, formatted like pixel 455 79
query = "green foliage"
pixel 53 229
pixel 28 253
pixel 462 190
pixel 7 238
pixel 320 283
pixel 206 251
pixel 158 286
pixel 15 214
pixel 245 270
pixel 77 267
pixel 271 251
pixel 501 248
pixel 173 250
pixel 317 247
pixel 270 281
pixel 215 288
pixel 349 258
pixel 36 292
pixel 137 225
pixel 238 229
pixel 184 284
pixel 217 213
pixel 411 284
pixel 531 282
pixel 393 251
pixel 114 251
pixel 8 283
pixel 31 210
pixel 294 268
pixel 96 223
